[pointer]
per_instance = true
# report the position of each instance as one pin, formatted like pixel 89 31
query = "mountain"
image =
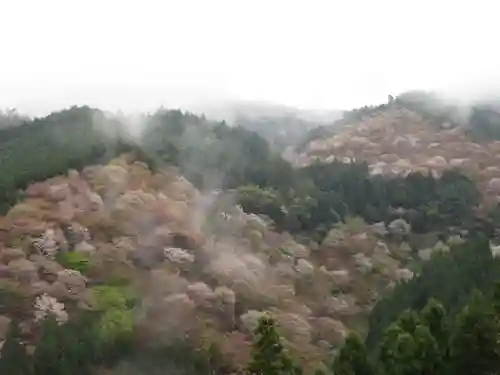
pixel 132 246
pixel 198 264
pixel 230 110
pixel 280 125
pixel 417 132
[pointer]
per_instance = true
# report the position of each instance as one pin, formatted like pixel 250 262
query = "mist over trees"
pixel 480 118
pixel 11 117
pixel 437 322
pixel 214 155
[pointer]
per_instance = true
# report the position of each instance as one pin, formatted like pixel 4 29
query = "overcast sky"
pixel 136 55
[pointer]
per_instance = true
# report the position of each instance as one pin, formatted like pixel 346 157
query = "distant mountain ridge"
pixel 280 125
pixel 231 110
pixel 416 131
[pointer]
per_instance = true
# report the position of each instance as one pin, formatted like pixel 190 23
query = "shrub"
pixel 74 260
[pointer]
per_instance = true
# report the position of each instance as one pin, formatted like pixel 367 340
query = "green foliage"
pixel 474 346
pixel 74 260
pixel 116 324
pixel 71 348
pixel 77 348
pixel 112 296
pixel 116 321
pixel 262 201
pixel 178 358
pixel 14 360
pixel 447 277
pixel 48 356
pixel 428 353
pixel 209 153
pixel 431 343
pixel 307 201
pixel 409 349
pixel 268 354
pixel 46 147
pixel 321 195
pixel 484 122
pixel 434 317
pixel 353 358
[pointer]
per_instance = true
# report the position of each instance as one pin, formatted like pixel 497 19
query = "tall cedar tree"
pixel 474 343
pixel 353 358
pixel 408 348
pixel 435 318
pixel 14 359
pixel 268 354
pixel 48 358
pixel 428 357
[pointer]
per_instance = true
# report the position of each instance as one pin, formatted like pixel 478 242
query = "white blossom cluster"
pixel 178 256
pixel 46 244
pixel 45 305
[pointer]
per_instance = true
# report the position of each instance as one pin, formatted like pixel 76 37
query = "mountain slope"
pixel 195 264
pixel 397 140
pixel 281 126
pixel 152 250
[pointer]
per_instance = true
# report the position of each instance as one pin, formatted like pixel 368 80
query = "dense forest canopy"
pixel 469 266
pixel 480 118
pixel 422 327
pixel 214 155
pixel 323 194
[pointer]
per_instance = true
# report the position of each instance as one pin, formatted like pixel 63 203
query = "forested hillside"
pixel 281 126
pixel 42 148
pixel 193 247
pixel 445 321
pixel 11 117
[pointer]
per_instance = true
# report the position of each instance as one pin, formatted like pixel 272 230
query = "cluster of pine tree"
pixel 72 348
pixel 314 198
pixel 449 277
pixel 421 336
pixel 430 343
pixel 424 343
pixel 269 356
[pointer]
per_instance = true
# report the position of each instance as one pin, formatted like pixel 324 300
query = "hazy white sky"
pixel 311 54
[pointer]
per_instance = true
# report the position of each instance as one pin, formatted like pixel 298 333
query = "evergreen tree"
pixel 353 358
pixel 428 357
pixel 48 353
pixel 268 354
pixel 386 356
pixel 14 360
pixel 496 298
pixel 399 354
pixel 72 348
pixel 434 317
pixel 408 321
pixel 408 349
pixel 474 345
